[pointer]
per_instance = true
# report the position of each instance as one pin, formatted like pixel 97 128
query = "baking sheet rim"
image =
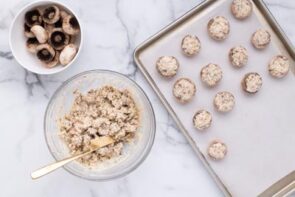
pixel 206 3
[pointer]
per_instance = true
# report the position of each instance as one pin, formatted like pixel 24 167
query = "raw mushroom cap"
pixel 32 44
pixel 45 52
pixel 51 14
pixel 58 39
pixel 40 33
pixel 68 54
pixel 70 25
pixel 54 62
pixel 33 17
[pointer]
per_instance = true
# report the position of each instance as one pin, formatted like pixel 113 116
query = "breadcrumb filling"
pixel 106 111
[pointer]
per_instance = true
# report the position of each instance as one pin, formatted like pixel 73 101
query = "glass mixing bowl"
pixel 60 104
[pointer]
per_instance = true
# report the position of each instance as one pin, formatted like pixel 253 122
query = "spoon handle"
pixel 51 167
pixel 95 144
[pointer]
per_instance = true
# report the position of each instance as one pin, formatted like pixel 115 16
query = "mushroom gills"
pixel 58 39
pixel 32 44
pixel 45 53
pixel 33 17
pixel 68 54
pixel 51 14
pixel 54 62
pixel 58 23
pixel 70 25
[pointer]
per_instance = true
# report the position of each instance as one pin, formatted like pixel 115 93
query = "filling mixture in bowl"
pixel 106 111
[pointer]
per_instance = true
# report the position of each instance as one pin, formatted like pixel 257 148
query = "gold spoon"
pixel 95 144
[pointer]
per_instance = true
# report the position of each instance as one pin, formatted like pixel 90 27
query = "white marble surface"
pixel 112 30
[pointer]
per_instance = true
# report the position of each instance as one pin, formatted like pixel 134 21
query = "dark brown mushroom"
pixel 28 32
pixel 32 44
pixel 58 39
pixel 70 25
pixel 51 14
pixel 33 17
pixel 45 53
pixel 54 62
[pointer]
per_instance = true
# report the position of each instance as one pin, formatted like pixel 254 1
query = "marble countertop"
pixel 112 30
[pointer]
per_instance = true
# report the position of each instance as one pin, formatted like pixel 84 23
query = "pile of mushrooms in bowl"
pixel 51 37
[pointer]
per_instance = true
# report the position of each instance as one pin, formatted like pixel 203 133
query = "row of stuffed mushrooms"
pixel 51 34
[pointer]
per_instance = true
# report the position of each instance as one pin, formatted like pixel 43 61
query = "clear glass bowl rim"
pixel 151 136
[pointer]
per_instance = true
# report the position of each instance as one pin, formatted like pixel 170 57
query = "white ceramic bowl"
pixel 17 41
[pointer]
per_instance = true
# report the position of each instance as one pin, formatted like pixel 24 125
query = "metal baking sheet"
pixel 285 187
pixel 259 131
